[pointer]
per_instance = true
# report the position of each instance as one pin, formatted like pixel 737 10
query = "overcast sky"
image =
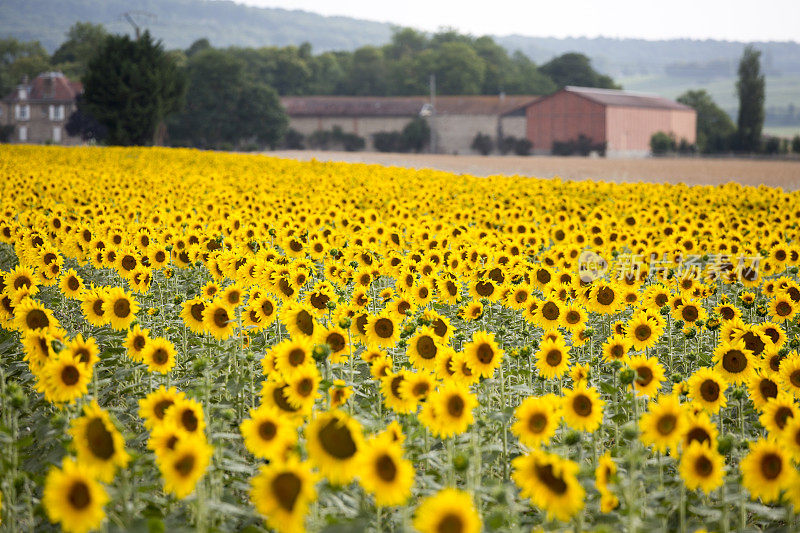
pixel 734 20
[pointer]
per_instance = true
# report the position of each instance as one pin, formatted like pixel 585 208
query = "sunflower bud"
pixel 57 345
pixel 676 378
pixel 177 300
pixel 460 462
pixel 321 352
pixel 525 351
pixel 627 376
pixel 691 334
pixel 761 310
pixel 630 431
pixel 725 444
pixel 345 323
pixel 572 438
pixel 793 270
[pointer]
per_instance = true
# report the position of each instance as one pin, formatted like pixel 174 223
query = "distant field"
pixel 781 90
pixel 785 174
pixel 783 131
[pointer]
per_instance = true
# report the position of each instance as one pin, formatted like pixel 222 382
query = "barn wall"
pixel 563 117
pixel 629 128
pixel 361 126
pixel 456 132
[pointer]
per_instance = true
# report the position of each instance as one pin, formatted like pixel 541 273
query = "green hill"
pixel 180 22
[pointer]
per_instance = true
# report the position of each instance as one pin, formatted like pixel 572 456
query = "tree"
pixel 20 59
pixel 576 69
pixel 81 123
pixel 130 87
pixel 459 69
pixel 224 106
pixel 74 54
pixel 750 89
pixel 661 143
pixel 715 129
pixel 796 144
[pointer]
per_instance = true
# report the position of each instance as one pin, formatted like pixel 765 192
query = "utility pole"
pixel 131 17
pixel 432 85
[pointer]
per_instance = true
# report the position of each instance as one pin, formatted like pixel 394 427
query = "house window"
pixel 22 93
pixel 22 112
pixel 56 134
pixel 56 112
pixel 23 133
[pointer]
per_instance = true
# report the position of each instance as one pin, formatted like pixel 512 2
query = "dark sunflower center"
pixel 782 416
pixel 643 332
pixel 709 390
pixel 286 487
pixel 484 288
pixel 554 358
pixel 550 311
pixel 221 318
pixel 549 479
pixel 794 378
pixel 644 375
pixel 128 262
pixel 319 300
pixel 73 284
pixel 101 442
pixel 122 308
pixel 386 468
pixel 426 347
pixel 79 495
pixel 297 357
pixel 452 290
pixel 783 308
pixel 455 406
pixel 189 420
pixel 305 386
pixel 768 388
pixel 70 376
pixel 160 407
pixel 384 328
pixel 582 405
pixel 573 317
pixel 305 323
pixel 336 342
pixel 185 465
pixel 485 353
pixel 703 466
pixel 267 308
pixel 666 424
pixel 771 466
pixel 439 327
pixel 197 311
pixel 537 422
pixel 698 434
pixel 160 356
pixel 734 361
pixel 753 343
pixel 37 319
pixel 689 313
pixel 616 351
pixel 420 389
pixel 605 296
pixel 336 440
pixel 403 307
pixel 727 313
pixel 450 523
pixel 543 276
pixel 97 307
pixel 267 430
pixel 279 397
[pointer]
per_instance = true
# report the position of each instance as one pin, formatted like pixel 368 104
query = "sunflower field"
pixel 226 342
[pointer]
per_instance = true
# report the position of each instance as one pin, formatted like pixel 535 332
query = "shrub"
pixel 662 143
pixel 482 143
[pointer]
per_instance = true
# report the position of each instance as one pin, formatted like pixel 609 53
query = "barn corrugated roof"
pixel 402 106
pixel 612 97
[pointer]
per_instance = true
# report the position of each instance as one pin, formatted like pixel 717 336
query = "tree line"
pixel 135 92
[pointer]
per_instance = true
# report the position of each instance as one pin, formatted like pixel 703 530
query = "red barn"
pixel 623 121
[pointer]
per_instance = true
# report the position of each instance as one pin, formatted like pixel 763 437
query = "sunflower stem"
pixel 683 509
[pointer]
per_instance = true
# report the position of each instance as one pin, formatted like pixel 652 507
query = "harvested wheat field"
pixel 692 171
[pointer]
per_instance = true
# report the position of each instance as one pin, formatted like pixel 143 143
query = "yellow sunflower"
pixel 537 419
pixel 707 388
pixel 552 359
pixel 100 446
pixel 649 375
pixel 734 361
pixel 702 467
pixel 582 408
pixel 766 470
pixel 423 348
pixel 483 354
pixel 73 498
pixel 159 355
pixel 382 330
pixel 449 510
pixel 384 473
pixel 120 308
pixel 664 425
pixel 334 441
pixel 267 433
pixel 550 482
pixel 282 492
pixel 183 466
